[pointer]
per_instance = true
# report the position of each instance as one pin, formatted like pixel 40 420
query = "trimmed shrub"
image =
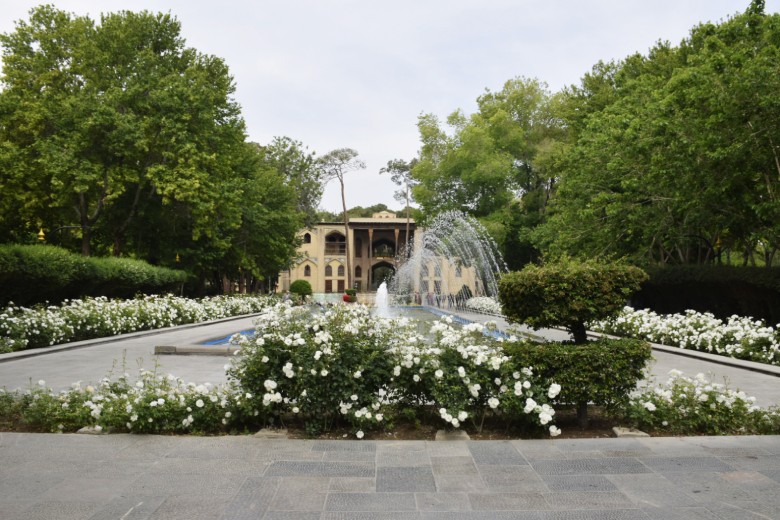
pixel 36 274
pixel 602 372
pixel 568 293
pixel 301 287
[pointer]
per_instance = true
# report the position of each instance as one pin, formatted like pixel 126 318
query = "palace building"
pixel 375 244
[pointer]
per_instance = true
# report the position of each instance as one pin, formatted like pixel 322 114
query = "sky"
pixel 358 73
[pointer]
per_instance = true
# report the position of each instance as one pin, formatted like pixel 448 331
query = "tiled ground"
pixel 133 477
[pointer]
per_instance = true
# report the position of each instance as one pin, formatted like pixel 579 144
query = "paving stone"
pixel 192 466
pixel 402 458
pixel 352 456
pixel 602 514
pixel 59 511
pixel 495 452
pixel 451 435
pixel 750 509
pixel 707 487
pixel 481 515
pixel 255 485
pixel 456 483
pixel 28 485
pixel 685 464
pixel 303 484
pixel 608 466
pixel 579 483
pixel 296 500
pixel 601 445
pixel 344 446
pixel 352 484
pixel 570 500
pixel 753 462
pixel 773 474
pixel 376 502
pixel 253 502
pixel 651 490
pixel 753 482
pixel 289 515
pixel 454 466
pixel 320 469
pixel 508 501
pixel 128 508
pixel 370 515
pixel 190 508
pixel 442 501
pixel 87 489
pixel 193 485
pixel 512 478
pixel 395 479
pixel 680 513
pixel 447 449
pixel 292 455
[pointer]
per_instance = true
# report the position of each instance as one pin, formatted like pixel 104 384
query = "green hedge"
pixel 301 287
pixel 721 290
pixel 601 372
pixel 41 273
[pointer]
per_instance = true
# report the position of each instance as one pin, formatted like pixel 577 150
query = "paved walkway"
pixel 70 476
pixel 165 477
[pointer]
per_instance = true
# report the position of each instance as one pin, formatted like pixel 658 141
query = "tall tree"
pixel 335 165
pixel 401 174
pixel 100 123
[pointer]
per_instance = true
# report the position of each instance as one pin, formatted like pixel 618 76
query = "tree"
pixel 335 165
pixel 401 174
pixel 102 123
pixel 299 168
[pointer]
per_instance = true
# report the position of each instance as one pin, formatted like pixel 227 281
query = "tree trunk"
pixel 582 415
pixel 348 285
pixel 579 333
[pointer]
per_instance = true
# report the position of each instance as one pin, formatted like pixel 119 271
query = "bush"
pixel 568 293
pixel 301 287
pixel 36 274
pixel 602 372
pixel 697 406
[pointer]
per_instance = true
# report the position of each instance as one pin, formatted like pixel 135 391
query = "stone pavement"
pixel 70 477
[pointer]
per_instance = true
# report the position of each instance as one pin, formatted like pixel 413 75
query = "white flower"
pixel 493 403
pixel 359 434
pixel 41 382
pixel 650 406
pixel 199 403
pixel 416 378
pixel 323 372
pixel 462 416
pixel 295 409
pixel 554 431
pixel 553 391
pixel 379 417
pixel 357 374
pixel 439 374
pixel 354 397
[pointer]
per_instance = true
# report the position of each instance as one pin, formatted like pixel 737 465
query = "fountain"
pixel 382 301
pixel 453 243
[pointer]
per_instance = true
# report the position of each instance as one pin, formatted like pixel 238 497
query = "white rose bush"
pixel 738 337
pixel 42 326
pixel 346 366
pixel 484 305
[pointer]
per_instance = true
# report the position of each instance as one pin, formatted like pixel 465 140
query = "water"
pixel 382 302
pixel 453 241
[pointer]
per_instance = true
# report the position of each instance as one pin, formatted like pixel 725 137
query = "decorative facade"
pixel 375 244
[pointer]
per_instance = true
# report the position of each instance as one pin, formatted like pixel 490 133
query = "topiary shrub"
pixel 568 293
pixel 301 287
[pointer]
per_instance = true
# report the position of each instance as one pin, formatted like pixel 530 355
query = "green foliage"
pixel 301 287
pixel 697 406
pixel 602 372
pixel 37 274
pixel 568 293
pixel 675 151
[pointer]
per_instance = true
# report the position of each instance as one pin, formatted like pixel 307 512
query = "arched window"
pixel 340 271
pixel 458 272
pixel 335 244
pixel 328 270
pixel 437 271
pixel 307 238
pixel 358 272
pixel 307 271
pixel 425 271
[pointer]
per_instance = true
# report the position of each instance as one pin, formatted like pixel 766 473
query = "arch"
pixel 307 238
pixel 358 271
pixel 383 248
pixel 381 272
pixel 340 271
pixel 328 270
pixel 335 244
pixel 307 270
